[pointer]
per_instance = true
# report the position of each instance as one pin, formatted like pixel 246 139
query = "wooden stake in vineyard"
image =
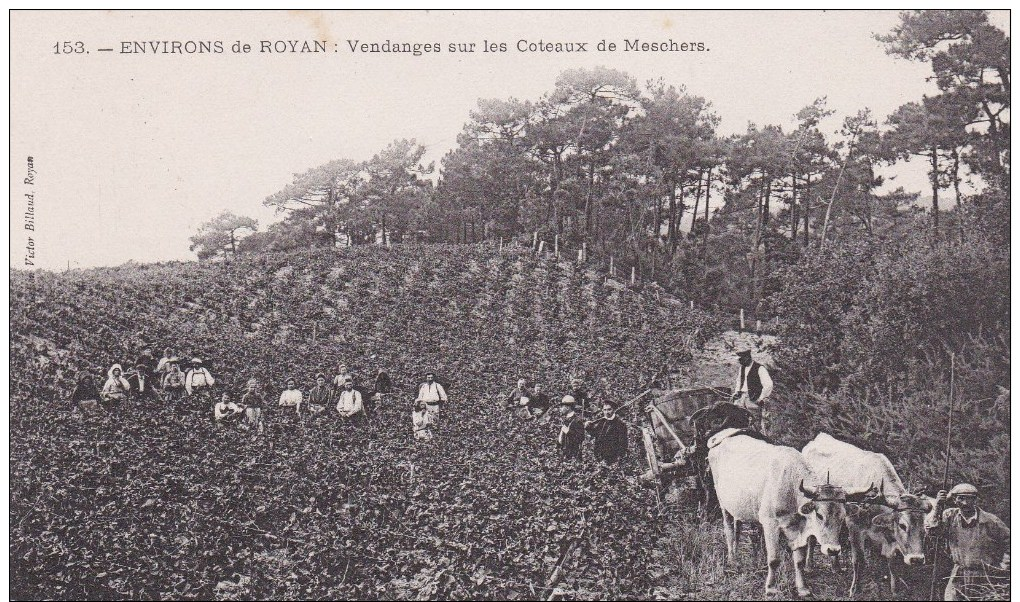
pixel 945 473
pixel 633 275
pixel 556 245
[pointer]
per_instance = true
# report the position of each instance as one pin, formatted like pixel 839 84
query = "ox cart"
pixel 668 428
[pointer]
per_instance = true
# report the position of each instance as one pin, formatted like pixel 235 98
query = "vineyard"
pixel 157 502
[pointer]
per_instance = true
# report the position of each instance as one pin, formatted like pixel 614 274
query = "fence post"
pixel 741 319
pixel 633 275
pixel 500 244
pixel 612 268
pixel 692 304
pixel 580 256
pixel 757 326
pixel 584 251
pixel 556 246
pixel 541 247
pixel 534 241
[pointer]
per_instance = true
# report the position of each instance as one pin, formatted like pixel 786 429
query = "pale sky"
pixel 134 151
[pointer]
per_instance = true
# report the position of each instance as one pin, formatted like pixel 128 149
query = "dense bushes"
pixel 869 330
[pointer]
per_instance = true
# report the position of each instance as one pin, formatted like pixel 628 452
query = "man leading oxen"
pixel 893 524
pixel 773 486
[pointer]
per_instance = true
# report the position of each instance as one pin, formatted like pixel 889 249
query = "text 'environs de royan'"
pixel 415 48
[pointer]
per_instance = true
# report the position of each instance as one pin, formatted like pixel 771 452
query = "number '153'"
pixel 69 48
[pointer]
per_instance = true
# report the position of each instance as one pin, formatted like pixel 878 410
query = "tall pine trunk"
pixel 935 190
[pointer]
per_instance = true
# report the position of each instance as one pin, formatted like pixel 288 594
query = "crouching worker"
pixel 85 396
pixel 978 543
pixel 571 436
pixel 349 404
pixel 535 405
pixel 116 387
pixel 421 419
pixel 173 382
pixel 226 411
pixel 292 397
pixel 254 405
pixel 320 396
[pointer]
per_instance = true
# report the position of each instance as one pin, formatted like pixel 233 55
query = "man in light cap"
pixel 978 541
pixel 752 388
pixel 513 398
pixel 571 435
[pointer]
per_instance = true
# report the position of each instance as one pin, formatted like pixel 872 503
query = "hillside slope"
pixel 159 503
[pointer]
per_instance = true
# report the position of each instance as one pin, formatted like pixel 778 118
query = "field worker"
pixel 383 386
pixel 585 404
pixel 85 395
pixel 349 403
pixel 609 434
pixel 116 387
pixel 163 366
pixel 254 405
pixel 978 541
pixel 225 409
pixel 140 382
pixel 198 378
pixel 752 388
pixel 571 436
pixel 320 396
pixel 173 382
pixel 432 393
pixel 146 365
pixel 291 396
pixel 513 398
pixel 343 374
pixel 421 420
pixel 537 404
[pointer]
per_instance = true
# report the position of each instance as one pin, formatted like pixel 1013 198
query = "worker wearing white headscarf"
pixel 116 386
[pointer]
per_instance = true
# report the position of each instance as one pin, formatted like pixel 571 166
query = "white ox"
pixel 757 482
pixel 896 526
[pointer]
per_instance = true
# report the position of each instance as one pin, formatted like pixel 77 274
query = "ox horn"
pixel 826 477
pixel 808 493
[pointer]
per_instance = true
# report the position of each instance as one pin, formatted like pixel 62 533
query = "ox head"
pixel 825 512
pixel 903 524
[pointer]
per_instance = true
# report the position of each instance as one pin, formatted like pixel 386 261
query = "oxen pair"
pixel 780 489
pixel 893 524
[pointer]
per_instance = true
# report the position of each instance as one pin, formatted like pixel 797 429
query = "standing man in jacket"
pixel 609 434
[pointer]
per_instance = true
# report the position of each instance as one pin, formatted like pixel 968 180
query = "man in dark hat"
pixel 320 396
pixel 585 403
pixel 571 436
pixel 609 434
pixel 752 388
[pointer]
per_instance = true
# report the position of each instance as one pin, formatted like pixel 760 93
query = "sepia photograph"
pixel 509 305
